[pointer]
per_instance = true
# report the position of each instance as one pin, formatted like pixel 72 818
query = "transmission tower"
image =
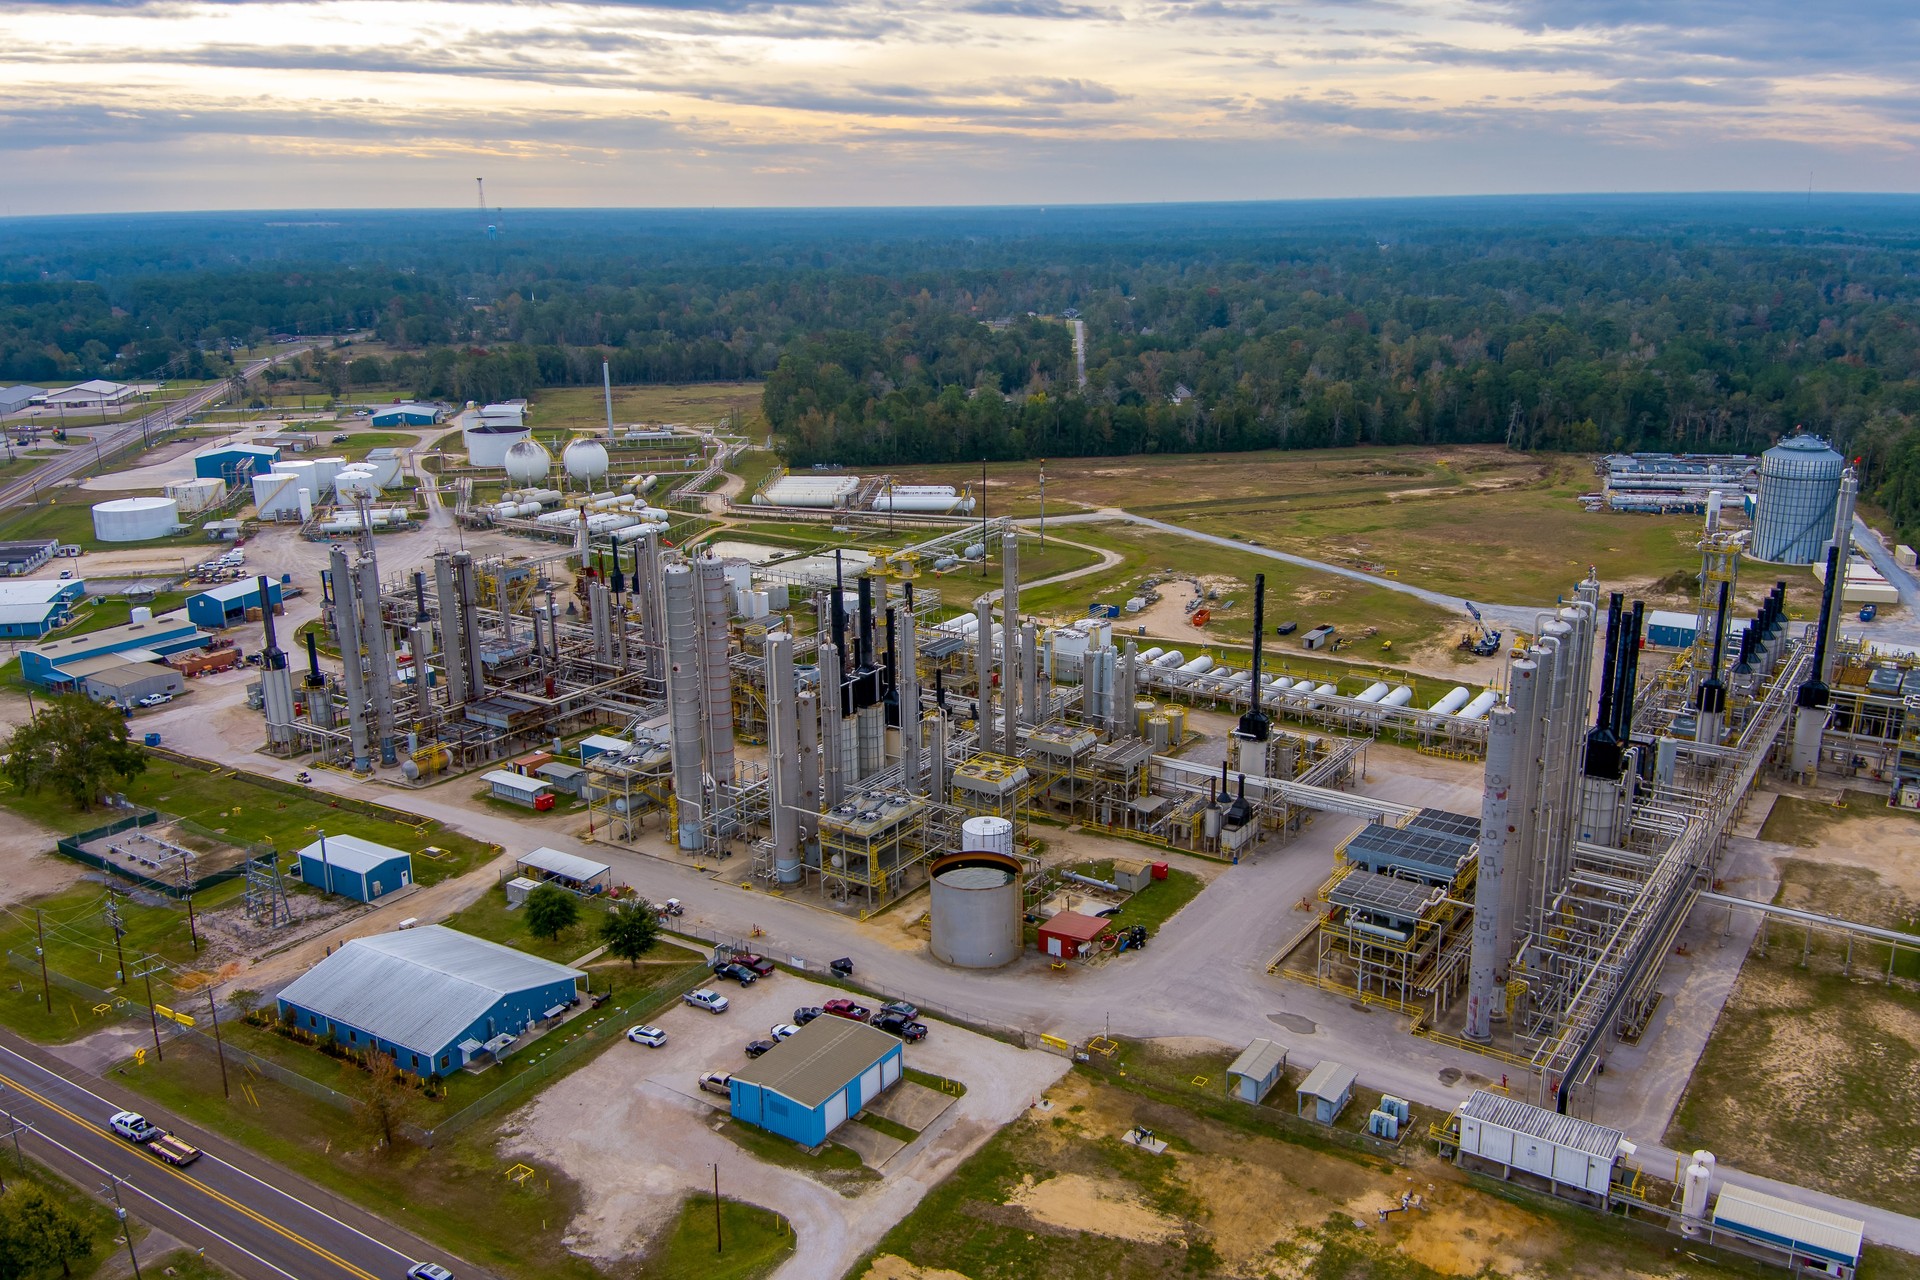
pixel 266 894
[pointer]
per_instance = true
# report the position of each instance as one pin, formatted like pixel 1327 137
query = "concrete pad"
pixel 912 1105
pixel 871 1145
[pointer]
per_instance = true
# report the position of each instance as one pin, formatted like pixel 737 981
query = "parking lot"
pixel 635 1131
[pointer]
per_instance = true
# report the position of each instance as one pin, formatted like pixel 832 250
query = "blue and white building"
pixel 44 664
pixel 407 415
pixel 355 868
pixel 226 605
pixel 433 997
pixel 809 1084
pixel 226 462
pixel 33 607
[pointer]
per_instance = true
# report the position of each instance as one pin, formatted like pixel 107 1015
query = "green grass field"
pixel 699 402
pixel 746 1243
pixel 488 917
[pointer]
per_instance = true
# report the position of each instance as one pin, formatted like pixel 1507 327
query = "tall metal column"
pixel 1010 639
pixel 783 763
pixel 983 634
pixel 833 768
pixel 684 701
pixel 452 651
pixel 1030 670
pixel 379 659
pixel 346 626
pixel 1485 960
pixel 907 689
pixel 808 737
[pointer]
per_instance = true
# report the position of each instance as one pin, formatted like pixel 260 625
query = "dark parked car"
pixel 738 972
pixel 901 1007
pixel 758 1047
pixel 759 964
pixel 906 1028
pixel 802 1016
pixel 847 1009
pixel 1286 628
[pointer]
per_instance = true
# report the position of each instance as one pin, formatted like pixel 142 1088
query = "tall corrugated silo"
pixel 1793 514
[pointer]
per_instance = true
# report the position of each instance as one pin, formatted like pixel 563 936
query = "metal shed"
pixel 571 871
pixel 1328 1088
pixel 1069 935
pixel 809 1084
pixel 1828 1243
pixel 1566 1151
pixel 125 679
pixel 1257 1070
pixel 227 604
pixel 534 793
pixel 355 868
pixel 1670 629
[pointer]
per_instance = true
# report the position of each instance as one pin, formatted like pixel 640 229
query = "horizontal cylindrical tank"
pixel 1170 659
pixel 135 519
pixel 1482 703
pixel 809 491
pixel 1197 666
pixel 1373 692
pixel 634 532
pixel 1456 698
pixel 975 910
pixel 936 499
pixel 1400 697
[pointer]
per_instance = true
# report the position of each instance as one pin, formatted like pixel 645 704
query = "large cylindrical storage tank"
pixel 987 834
pixel 487 448
pixel 198 494
pixel 276 494
pixel 135 519
pixel 1793 514
pixel 809 491
pixel 976 909
pixel 1372 693
pixel 351 483
pixel 1400 697
pixel 1176 724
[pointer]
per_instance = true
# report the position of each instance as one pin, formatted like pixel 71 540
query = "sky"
pixel 122 105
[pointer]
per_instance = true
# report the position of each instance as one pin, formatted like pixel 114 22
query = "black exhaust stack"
pixel 1603 743
pixel 314 679
pixel 1628 693
pixel 1712 698
pixel 1813 692
pixel 1254 725
pixel 272 659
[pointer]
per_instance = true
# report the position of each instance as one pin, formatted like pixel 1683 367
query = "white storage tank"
pixel 386 466
pixel 1457 697
pixel 276 494
pixel 353 483
pixel 135 519
pixel 584 460
pixel 197 495
pixel 809 491
pixel 933 499
pixel 1400 697
pixel 325 469
pixel 1482 704
pixel 527 462
pixel 1373 692
pixel 487 447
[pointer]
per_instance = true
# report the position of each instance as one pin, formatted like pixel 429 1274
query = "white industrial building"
pixel 1568 1153
pixel 95 393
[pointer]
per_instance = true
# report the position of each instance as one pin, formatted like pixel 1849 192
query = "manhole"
pixel 1294 1022
pixel 1450 1075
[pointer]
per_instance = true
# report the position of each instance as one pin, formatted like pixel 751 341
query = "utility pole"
pixel 213 1014
pixel 717 1243
pixel 40 950
pixel 14 1126
pixel 112 1186
pixel 148 967
pixel 1043 504
pixel 113 919
pixel 186 884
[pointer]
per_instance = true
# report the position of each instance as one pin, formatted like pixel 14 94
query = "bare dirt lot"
pixel 589 1124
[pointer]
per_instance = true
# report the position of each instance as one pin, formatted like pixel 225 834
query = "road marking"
pixel 226 1164
pixel 50 1140
pixel 292 1236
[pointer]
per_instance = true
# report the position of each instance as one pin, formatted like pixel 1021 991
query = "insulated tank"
pixel 135 519
pixel 975 908
pixel 1799 487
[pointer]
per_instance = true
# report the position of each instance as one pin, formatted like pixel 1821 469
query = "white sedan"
pixel 651 1036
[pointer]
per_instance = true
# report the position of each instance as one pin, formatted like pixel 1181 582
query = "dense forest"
pixel 938 335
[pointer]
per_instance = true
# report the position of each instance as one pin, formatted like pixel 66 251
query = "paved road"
pixel 259 1222
pixel 109 439
pixel 1512 617
pixel 1905 630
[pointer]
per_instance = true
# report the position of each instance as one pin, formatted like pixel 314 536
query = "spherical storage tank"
pixel 135 519
pixel 976 910
pixel 1799 486
pixel 585 460
pixel 527 462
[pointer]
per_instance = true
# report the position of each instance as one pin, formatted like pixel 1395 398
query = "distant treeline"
pixel 904 336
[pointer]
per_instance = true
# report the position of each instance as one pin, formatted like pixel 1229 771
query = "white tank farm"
pixel 487 447
pixel 276 494
pixel 197 495
pixel 305 469
pixel 135 519
pixel 809 491
pixel 325 469
pixel 527 462
pixel 931 499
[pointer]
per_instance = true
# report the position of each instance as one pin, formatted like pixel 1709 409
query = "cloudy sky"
pixel 183 104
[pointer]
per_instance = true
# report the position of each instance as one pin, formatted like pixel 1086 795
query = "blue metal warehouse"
pixel 354 868
pixel 162 637
pixel 407 415
pixel 806 1086
pixel 225 463
pixel 36 606
pixel 226 605
pixel 433 997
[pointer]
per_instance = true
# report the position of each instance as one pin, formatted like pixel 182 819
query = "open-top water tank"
pixel 975 909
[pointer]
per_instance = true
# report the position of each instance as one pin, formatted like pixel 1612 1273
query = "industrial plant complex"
pixel 860 744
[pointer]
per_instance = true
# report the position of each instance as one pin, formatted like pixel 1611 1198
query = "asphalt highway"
pixel 259 1222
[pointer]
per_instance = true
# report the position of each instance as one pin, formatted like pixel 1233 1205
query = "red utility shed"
pixel 1069 934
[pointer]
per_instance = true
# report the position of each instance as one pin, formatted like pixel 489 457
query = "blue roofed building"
pixel 433 997
pixel 33 607
pixel 407 415
pixel 226 605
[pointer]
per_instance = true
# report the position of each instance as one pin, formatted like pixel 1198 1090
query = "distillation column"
pixel 907 690
pixel 983 634
pixel 716 678
pixel 1010 639
pixel 684 700
pixel 452 651
pixel 1486 961
pixel 346 626
pixel 379 659
pixel 1843 540
pixel 832 693
pixel 276 681
pixel 783 765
